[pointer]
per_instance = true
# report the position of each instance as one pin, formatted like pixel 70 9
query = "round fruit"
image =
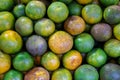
pixel 116 31
pixel 72 59
pixel 50 61
pixel 101 32
pixel 44 27
pixel 37 73
pixel 6 5
pixel 5 62
pixel 6 21
pixel 84 1
pixel 92 13
pixel 23 61
pixel 61 74
pixel 109 2
pixel 96 57
pixel 86 72
pixel 60 42
pixel 24 26
pixel 74 8
pixel 74 25
pixel 112 48
pixel 10 42
pixel 19 10
pixel 13 75
pixel 113 10
pixel 84 42
pixel 58 12
pixel 65 1
pixel 35 10
pixel 36 45
pixel 110 71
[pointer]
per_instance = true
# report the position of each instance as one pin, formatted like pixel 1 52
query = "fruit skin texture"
pixel 13 75
pixel 109 2
pixel 10 42
pixel 86 72
pixel 110 71
pixel 97 57
pixel 36 45
pixel 60 42
pixel 6 21
pixel 113 10
pixel 84 1
pixel 116 31
pixel 23 61
pixel 44 27
pixel 101 32
pixel 92 13
pixel 37 73
pixel 72 59
pixel 24 26
pixel 35 10
pixel 61 74
pixel 74 25
pixel 112 48
pixel 84 42
pixel 6 5
pixel 50 61
pixel 57 11
pixel 5 62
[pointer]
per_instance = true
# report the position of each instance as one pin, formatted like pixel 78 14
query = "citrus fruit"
pixel 44 27
pixel 74 25
pixel 37 73
pixel 101 32
pixel 116 31
pixel 5 62
pixel 60 42
pixel 74 8
pixel 86 72
pixel 84 42
pixel 19 10
pixel 112 48
pixel 109 2
pixel 36 45
pixel 6 21
pixel 24 26
pixel 50 61
pixel 113 10
pixel 10 42
pixel 65 1
pixel 25 1
pixel 84 1
pixel 72 59
pixel 110 71
pixel 35 10
pixel 61 74
pixel 13 75
pixel 96 57
pixel 58 12
pixel 6 5
pixel 92 13
pixel 23 61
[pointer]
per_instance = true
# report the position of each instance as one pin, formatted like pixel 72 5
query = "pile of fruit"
pixel 59 40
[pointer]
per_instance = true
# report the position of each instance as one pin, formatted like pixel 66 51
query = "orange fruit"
pixel 72 59
pixel 74 25
pixel 10 42
pixel 5 62
pixel 57 11
pixel 60 42
pixel 84 1
pixel 50 61
pixel 92 13
pixel 116 31
pixel 44 27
